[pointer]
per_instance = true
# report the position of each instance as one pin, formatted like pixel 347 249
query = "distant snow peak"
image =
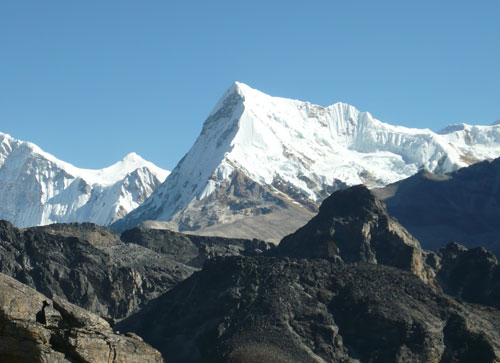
pixel 132 157
pixel 36 188
pixel 297 152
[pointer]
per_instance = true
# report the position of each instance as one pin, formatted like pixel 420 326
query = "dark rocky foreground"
pixel 354 226
pixel 471 275
pixel 329 297
pixel 463 206
pixel 351 285
pixel 93 268
pixel 111 281
pixel 34 328
pixel 285 310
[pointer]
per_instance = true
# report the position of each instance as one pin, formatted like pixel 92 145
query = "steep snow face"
pixel 303 149
pixel 36 188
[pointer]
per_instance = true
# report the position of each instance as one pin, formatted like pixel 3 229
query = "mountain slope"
pixel 102 275
pixel 36 188
pixel 285 310
pixel 462 206
pixel 38 329
pixel 329 298
pixel 258 155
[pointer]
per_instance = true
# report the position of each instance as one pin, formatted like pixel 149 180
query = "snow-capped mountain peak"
pixel 36 188
pixel 299 152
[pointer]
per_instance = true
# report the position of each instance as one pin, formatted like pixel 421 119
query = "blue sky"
pixel 90 81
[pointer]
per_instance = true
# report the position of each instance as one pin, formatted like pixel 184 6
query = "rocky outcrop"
pixel 463 206
pixel 97 236
pixel 193 250
pixel 353 226
pixel 108 274
pixel 285 310
pixel 110 281
pixel 470 275
pixel 34 328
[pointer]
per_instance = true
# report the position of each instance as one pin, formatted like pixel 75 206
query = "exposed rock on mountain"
pixel 354 226
pixel 110 275
pixel 193 250
pixel 463 206
pixel 470 275
pixel 109 278
pixel 37 189
pixel 34 328
pixel 97 236
pixel 270 310
pixel 267 158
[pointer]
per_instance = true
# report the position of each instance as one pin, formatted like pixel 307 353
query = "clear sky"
pixel 90 81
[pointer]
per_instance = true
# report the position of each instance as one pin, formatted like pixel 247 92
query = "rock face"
pixel 354 226
pixel 107 276
pixel 97 236
pixel 463 206
pixel 34 328
pixel 470 275
pixel 284 310
pixel 103 272
pixel 193 250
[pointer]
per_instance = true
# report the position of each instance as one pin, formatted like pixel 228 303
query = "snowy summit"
pixel 258 153
pixel 36 188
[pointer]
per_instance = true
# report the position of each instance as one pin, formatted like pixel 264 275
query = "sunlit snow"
pixel 309 147
pixel 36 188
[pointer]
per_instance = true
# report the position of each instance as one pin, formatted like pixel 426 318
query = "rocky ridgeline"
pixel 327 296
pixel 91 267
pixel 193 250
pixel 351 285
pixel 111 281
pixel 353 226
pixel 34 328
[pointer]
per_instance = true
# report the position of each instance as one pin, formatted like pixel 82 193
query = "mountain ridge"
pixel 298 153
pixel 37 188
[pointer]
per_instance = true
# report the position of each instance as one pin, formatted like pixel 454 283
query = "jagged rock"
pixel 271 310
pixel 354 226
pixel 191 249
pixel 34 328
pixel 470 275
pixel 92 267
pixel 109 281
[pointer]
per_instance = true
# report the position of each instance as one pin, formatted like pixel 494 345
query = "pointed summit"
pixel 132 157
pixel 259 155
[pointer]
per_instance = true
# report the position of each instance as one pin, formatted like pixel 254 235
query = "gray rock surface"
pixel 471 275
pixel 111 281
pixel 34 328
pixel 193 250
pixel 284 310
pixel 97 236
pixel 353 226
pixel 108 274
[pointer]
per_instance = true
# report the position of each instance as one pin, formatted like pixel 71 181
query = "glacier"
pixel 36 188
pixel 299 153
